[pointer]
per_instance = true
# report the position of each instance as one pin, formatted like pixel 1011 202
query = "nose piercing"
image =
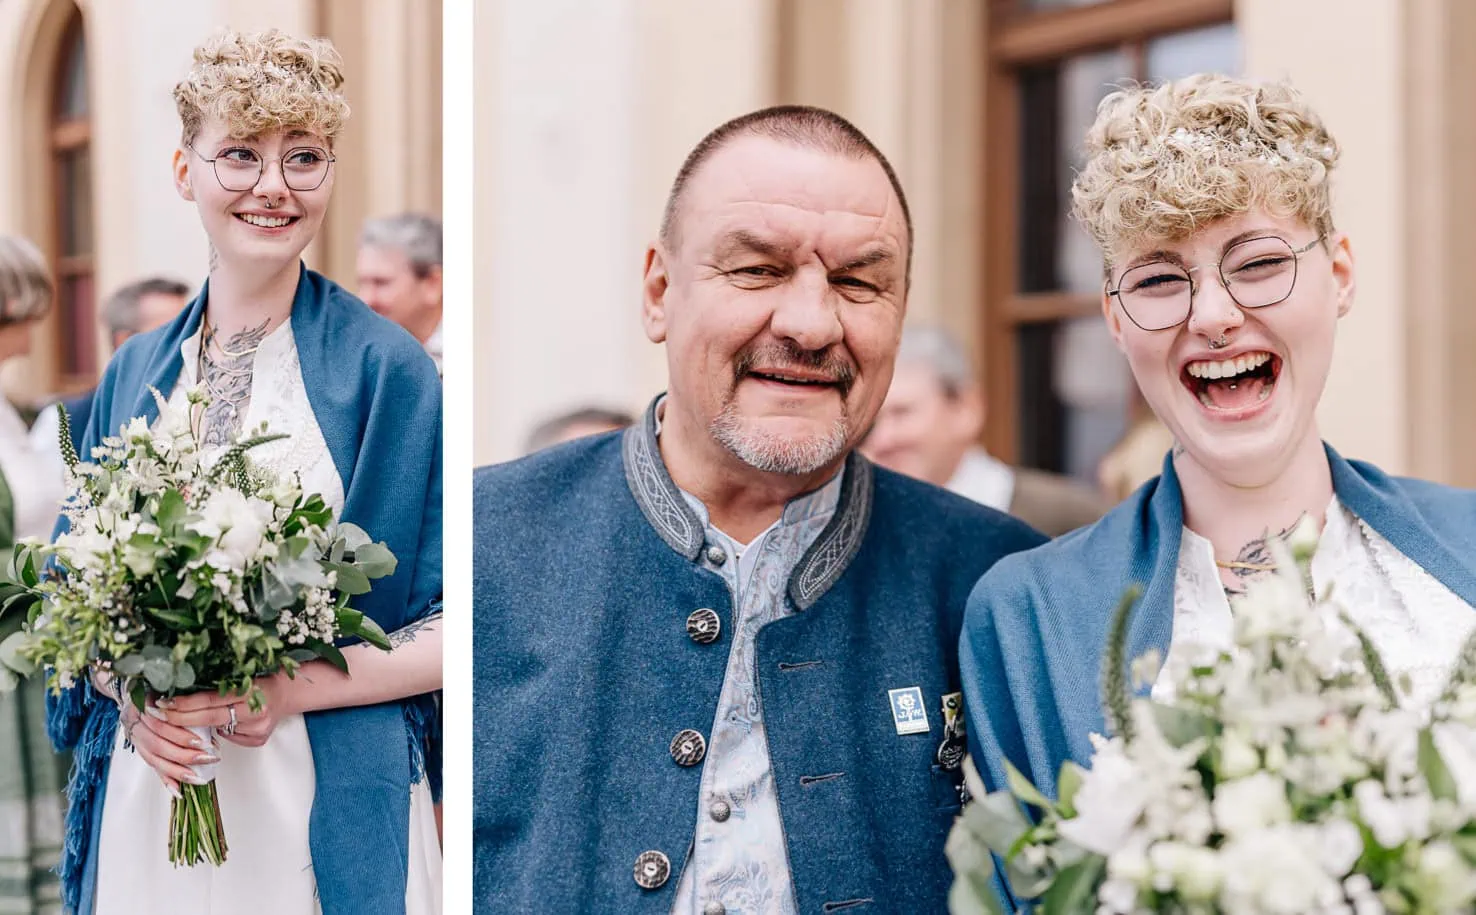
pixel 1219 342
pixel 270 204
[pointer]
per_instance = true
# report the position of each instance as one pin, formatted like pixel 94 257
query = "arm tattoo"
pixel 227 378
pixel 407 633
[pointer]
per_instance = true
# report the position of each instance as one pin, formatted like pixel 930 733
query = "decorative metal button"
pixel 716 555
pixel 720 811
pixel 651 870
pixel 688 747
pixel 704 626
pixel 713 907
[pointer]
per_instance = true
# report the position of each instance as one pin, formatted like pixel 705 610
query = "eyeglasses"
pixel 239 168
pixel 1256 273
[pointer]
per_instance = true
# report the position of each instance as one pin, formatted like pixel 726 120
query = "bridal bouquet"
pixel 1285 776
pixel 181 574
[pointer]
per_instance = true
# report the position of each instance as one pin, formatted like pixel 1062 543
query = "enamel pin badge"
pixel 955 743
pixel 908 712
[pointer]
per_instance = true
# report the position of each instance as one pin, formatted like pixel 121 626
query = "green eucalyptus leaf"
pixel 1432 767
pixel 160 674
pixel 1074 890
pixel 11 657
pixel 1068 782
pixel 130 665
pixel 375 560
pixel 353 536
pixel 155 653
pixel 1180 726
pixel 350 580
pixel 171 511
pixel 184 675
pixel 1020 786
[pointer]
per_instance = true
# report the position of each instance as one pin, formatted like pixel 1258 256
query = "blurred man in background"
pixel 136 308
pixel 929 428
pixel 399 269
pixel 566 427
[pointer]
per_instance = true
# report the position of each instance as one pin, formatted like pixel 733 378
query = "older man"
pixel 399 274
pixel 929 429
pixel 716 651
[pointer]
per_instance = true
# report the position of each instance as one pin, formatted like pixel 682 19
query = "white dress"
pixel 266 793
pixel 1417 624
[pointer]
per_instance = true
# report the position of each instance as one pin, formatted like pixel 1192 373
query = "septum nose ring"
pixel 1219 342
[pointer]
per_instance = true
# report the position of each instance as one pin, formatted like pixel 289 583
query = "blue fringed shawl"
pixel 1036 624
pixel 377 397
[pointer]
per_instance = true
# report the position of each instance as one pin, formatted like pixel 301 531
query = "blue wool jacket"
pixel 377 398
pixel 1036 627
pixel 585 570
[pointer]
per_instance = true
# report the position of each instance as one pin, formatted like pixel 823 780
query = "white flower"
pixel 1110 800
pixel 1245 805
pixel 1275 871
pixel 1340 846
pixel 1194 871
pixel 137 430
pixel 1238 757
pixel 1446 882
pixel 237 524
pixel 1392 821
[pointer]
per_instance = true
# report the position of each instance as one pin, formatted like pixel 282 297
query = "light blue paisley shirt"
pixel 738 855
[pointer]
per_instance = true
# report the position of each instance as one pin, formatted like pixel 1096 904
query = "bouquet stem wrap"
pixel 196 833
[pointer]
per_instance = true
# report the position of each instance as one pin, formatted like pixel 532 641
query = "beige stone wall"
pixel 390 157
pixel 583 116
pixel 590 114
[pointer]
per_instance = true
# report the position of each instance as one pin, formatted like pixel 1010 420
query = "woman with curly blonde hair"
pixel 321 790
pixel 1225 279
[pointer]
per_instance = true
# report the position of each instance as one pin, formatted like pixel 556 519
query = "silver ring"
pixel 230 728
pixel 1219 342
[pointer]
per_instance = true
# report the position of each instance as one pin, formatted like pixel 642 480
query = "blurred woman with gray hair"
pixel 31 776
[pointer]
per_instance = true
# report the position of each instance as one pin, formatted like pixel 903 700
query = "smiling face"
pixel 1240 411
pixel 780 302
pixel 266 222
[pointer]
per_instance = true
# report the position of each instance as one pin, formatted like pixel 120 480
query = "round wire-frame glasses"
pixel 1160 295
pixel 242 175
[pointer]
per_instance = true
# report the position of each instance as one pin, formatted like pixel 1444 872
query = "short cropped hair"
pixel 26 287
pixel 415 235
pixel 120 311
pixel 940 351
pixel 262 81
pixel 1164 161
pixel 798 125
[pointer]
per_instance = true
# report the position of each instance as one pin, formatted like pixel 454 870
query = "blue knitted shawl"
pixel 377 398
pixel 1036 624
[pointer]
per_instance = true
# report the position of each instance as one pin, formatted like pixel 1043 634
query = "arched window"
pixel 71 135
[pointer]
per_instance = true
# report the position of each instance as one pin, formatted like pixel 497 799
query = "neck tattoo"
pixel 226 370
pixel 1254 559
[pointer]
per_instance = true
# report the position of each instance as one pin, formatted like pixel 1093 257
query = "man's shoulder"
pixel 550 473
pixel 933 512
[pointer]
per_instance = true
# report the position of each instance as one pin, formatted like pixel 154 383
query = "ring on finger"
pixel 230 728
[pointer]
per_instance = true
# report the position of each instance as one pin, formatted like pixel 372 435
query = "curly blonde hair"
pixel 262 81
pixel 1163 161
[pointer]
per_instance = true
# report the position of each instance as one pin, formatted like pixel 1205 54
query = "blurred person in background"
pixel 929 428
pixel 136 308
pixel 1138 455
pixel 31 776
pixel 566 427
pixel 399 274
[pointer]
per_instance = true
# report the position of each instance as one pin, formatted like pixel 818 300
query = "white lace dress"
pixel 266 793
pixel 1417 624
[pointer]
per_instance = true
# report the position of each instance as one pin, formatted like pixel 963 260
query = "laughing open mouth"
pixel 1233 384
